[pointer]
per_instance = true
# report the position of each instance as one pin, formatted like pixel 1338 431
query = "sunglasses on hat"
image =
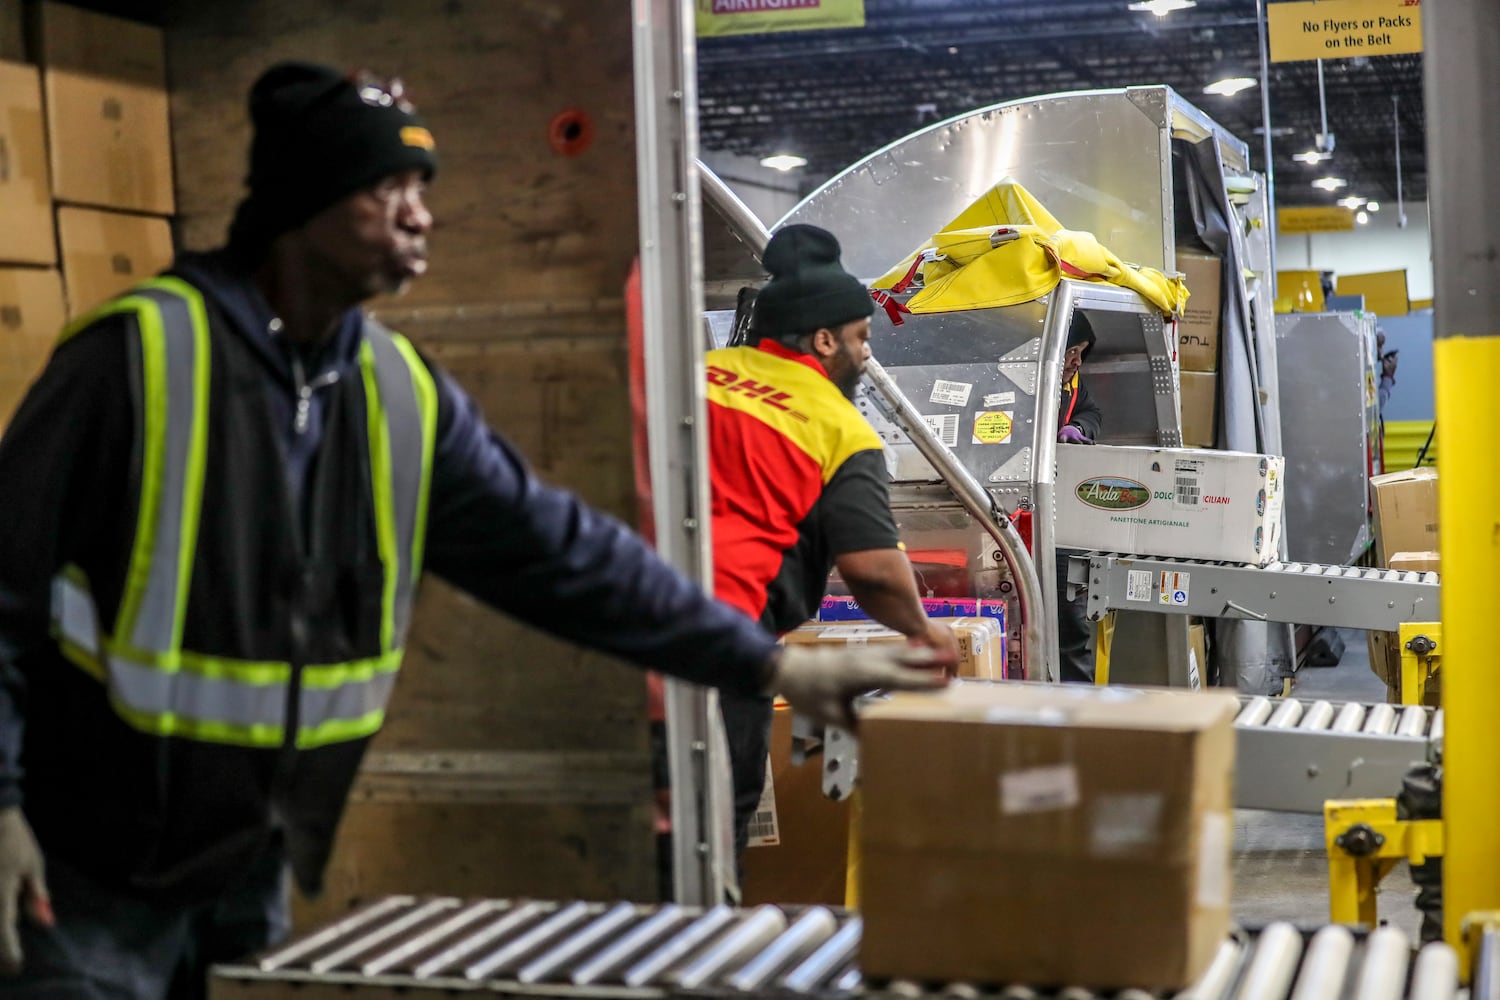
pixel 378 92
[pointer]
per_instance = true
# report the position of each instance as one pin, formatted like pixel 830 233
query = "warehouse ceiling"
pixel 835 96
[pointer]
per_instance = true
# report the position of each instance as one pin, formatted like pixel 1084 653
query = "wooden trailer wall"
pixel 510 763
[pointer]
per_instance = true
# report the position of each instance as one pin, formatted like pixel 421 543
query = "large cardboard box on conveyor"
pixel 1385 647
pixel 799 838
pixel 1406 512
pixel 1046 834
pixel 1182 502
pixel 981 641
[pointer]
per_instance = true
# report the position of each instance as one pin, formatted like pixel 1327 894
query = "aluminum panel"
pixel 1325 364
pixel 1095 159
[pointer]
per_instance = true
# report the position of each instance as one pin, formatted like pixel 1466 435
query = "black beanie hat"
pixel 319 136
pixel 1081 331
pixel 809 289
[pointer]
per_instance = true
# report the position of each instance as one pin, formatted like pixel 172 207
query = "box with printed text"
pixel 1181 502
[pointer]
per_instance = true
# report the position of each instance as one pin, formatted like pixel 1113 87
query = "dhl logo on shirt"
pixel 768 394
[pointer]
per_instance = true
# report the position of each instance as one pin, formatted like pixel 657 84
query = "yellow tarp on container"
pixel 1006 248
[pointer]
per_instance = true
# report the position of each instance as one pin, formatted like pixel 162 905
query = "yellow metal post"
pixel 851 862
pixel 1462 75
pixel 1364 840
pixel 1104 642
pixel 1421 648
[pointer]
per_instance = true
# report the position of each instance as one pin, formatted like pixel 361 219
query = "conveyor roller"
pixel 411 947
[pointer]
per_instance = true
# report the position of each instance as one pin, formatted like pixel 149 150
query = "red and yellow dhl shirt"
pixel 798 479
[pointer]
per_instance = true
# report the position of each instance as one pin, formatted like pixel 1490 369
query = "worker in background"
pixel 1079 421
pixel 799 477
pixel 1388 361
pixel 217 501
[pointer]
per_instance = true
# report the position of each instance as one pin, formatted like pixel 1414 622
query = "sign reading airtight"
pixel 992 426
pixel 744 17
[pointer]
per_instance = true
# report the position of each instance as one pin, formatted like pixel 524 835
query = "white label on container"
pixel 945 426
pixel 999 399
pixel 1039 789
pixel 1174 589
pixel 764 831
pixel 1195 680
pixel 1213 859
pixel 951 393
pixel 1186 484
pixel 1125 823
pixel 1140 585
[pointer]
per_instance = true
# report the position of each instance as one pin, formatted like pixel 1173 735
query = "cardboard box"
pixel 1419 562
pixel 1191 504
pixel 1406 512
pixel 1198 329
pixel 1198 656
pixel 1046 834
pixel 1200 398
pixel 104 253
pixel 31 317
pixel 27 236
pixel 108 123
pixel 981 641
pixel 803 855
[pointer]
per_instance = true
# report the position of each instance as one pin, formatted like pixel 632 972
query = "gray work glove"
pixel 821 682
pixel 20 877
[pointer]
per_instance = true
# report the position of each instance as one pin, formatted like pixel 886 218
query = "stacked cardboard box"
pixel 799 844
pixel 1198 337
pixel 84 141
pixel 981 641
pixel 110 146
pixel 1046 834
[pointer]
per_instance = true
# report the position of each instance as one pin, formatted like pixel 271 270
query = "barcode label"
pixel 945 426
pixel 763 828
pixel 951 393
pixel 1187 491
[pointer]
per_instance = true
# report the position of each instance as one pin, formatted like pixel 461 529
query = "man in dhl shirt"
pixel 799 478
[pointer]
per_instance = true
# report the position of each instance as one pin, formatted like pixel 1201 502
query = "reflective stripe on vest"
pixel 154 684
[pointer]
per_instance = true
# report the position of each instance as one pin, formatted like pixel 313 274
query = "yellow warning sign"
pixel 1343 29
pixel 992 427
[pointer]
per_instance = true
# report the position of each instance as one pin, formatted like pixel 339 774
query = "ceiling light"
pixel 1373 206
pixel 1161 8
pixel 1362 218
pixel 1230 85
pixel 1312 156
pixel 953 50
pixel 1352 201
pixel 1329 183
pixel 784 161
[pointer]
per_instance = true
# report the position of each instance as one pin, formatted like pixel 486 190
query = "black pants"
pixel 1075 662
pixel 747 723
pixel 110 946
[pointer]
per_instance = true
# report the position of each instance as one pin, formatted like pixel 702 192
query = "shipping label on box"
pixel 1176 502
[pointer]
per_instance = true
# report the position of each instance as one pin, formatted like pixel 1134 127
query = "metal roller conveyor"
pixel 412 947
pixel 1304 753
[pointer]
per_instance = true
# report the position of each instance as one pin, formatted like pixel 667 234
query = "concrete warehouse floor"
pixel 1280 866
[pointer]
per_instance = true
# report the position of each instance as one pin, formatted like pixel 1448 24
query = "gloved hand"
pixel 821 682
pixel 1072 435
pixel 20 875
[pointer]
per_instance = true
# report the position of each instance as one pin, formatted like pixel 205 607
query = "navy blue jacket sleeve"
pixel 539 553
pixel 63 469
